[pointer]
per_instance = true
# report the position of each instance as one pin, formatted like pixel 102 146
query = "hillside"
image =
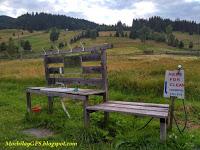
pixel 7 22
pixel 39 40
pixel 43 21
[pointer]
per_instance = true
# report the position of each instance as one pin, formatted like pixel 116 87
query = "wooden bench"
pixel 159 111
pixel 54 64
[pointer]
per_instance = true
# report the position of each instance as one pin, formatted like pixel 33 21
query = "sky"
pixel 106 11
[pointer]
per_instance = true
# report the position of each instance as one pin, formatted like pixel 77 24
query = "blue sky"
pixel 106 11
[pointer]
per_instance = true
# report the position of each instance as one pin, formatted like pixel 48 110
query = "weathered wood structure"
pixel 90 54
pixel 159 111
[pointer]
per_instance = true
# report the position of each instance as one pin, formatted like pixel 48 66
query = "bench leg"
pixel 85 112
pixel 87 119
pixel 50 105
pixel 163 129
pixel 28 101
pixel 106 118
pixel 106 114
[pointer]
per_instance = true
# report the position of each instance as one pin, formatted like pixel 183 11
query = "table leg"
pixel 28 101
pixel 163 129
pixel 50 105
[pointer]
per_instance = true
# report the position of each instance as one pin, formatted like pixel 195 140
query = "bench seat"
pixel 140 109
pixel 159 111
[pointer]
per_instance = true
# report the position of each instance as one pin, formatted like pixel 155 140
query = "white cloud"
pixel 192 1
pixel 100 14
pixel 103 11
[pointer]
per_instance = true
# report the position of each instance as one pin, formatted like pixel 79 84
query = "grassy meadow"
pixel 132 77
pixel 186 38
pixel 39 39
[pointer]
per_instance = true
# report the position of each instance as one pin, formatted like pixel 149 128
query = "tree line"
pixel 44 21
pixel 161 30
pixel 159 24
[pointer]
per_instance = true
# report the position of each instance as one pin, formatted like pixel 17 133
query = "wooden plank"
pixel 57 94
pixel 140 104
pixel 137 107
pixel 131 111
pixel 71 91
pixel 91 57
pixel 92 69
pixel 55 59
pixel 79 81
pixel 163 129
pixel 56 70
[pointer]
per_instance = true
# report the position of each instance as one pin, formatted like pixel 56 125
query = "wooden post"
pixel 105 82
pixel 28 101
pixel 50 105
pixel 46 69
pixel 171 113
pixel 163 129
pixel 106 114
pixel 85 113
pixel 87 119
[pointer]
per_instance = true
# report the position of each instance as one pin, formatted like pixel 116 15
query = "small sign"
pixel 174 84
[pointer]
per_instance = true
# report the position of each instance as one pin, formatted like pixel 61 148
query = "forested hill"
pixel 43 21
pixel 159 24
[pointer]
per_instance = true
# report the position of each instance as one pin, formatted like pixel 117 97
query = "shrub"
pixel 191 44
pixel 61 45
pixel 181 44
pixel 3 46
pixel 27 45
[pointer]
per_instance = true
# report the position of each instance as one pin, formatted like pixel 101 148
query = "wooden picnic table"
pixel 81 94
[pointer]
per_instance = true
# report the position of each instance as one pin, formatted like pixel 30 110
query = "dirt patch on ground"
pixel 39 133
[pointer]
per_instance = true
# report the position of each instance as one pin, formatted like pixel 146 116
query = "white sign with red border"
pixel 174 84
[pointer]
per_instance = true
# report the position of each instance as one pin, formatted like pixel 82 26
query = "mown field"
pixel 39 39
pixel 132 77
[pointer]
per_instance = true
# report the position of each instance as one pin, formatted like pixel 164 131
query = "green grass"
pixel 135 79
pixel 131 78
pixel 186 38
pixel 38 39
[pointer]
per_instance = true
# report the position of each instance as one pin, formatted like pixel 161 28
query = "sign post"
pixel 171 113
pixel 174 88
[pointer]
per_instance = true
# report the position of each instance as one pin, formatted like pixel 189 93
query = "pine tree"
pixel 54 35
pixel 181 44
pixel 126 34
pixel 171 39
pixel 27 45
pixel 3 46
pixel 117 34
pixel 191 45
pixel 134 34
pixel 61 45
pixel 176 43
pixel 11 46
pixel 144 33
pixel 119 29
